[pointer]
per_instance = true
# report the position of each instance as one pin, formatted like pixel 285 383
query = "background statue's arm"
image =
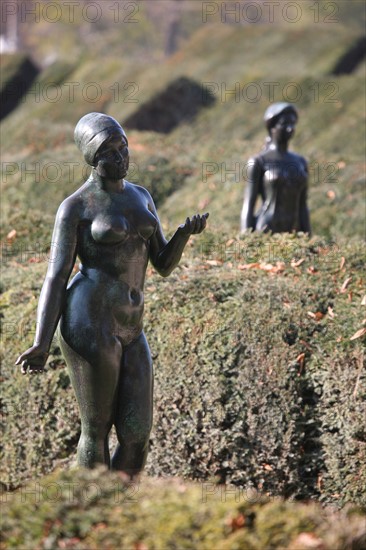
pixel 165 255
pixel 51 301
pixel 304 217
pixel 253 189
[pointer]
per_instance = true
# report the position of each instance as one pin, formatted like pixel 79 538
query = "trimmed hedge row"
pixel 96 509
pixel 258 382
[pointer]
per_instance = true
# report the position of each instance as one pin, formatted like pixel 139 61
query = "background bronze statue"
pixel 279 177
pixel 113 227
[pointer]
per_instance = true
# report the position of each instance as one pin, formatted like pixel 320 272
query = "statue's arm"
pixel 253 189
pixel 304 217
pixel 165 255
pixel 53 293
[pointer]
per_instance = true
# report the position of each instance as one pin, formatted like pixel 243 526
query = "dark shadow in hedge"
pixel 181 101
pixel 352 58
pixel 17 87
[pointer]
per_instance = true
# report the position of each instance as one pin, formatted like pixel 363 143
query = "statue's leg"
pixel 95 381
pixel 133 419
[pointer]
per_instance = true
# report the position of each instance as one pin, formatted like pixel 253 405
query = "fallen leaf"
pixel 268 467
pixel 319 482
pixel 363 301
pixel 266 267
pixel 308 346
pixel 345 284
pixel 331 312
pixel 11 236
pixel 343 261
pixel 312 270
pixel 297 263
pixel 317 316
pixel 248 266
pixel 307 541
pixel 331 194
pixel 237 522
pixel 278 268
pixel 35 260
pixel 359 334
pixel 214 262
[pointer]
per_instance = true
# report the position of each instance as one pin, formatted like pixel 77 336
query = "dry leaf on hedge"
pixel 236 523
pixel 331 312
pixel 248 266
pixel 307 541
pixel 297 263
pixel 358 334
pixel 214 263
pixel 345 284
pixel 11 235
pixel 317 316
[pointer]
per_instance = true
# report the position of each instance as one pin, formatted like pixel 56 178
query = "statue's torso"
pixel 113 247
pixel 284 179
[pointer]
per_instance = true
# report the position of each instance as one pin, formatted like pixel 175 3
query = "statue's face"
pixel 284 128
pixel 112 159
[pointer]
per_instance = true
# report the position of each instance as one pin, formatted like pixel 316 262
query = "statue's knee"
pixel 95 430
pixel 136 434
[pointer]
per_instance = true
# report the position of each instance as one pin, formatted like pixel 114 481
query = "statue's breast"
pixel 110 229
pixel 287 174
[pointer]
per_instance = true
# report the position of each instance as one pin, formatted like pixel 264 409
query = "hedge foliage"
pixel 258 382
pixel 89 510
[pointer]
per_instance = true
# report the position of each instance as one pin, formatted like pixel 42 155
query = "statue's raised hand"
pixel 194 225
pixel 33 360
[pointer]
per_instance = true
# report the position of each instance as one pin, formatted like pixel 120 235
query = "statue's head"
pixel 280 119
pixel 92 131
pixel 275 111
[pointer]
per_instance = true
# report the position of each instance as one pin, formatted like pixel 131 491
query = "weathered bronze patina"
pixel 113 227
pixel 279 177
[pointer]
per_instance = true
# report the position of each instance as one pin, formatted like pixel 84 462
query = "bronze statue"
pixel 279 177
pixel 113 227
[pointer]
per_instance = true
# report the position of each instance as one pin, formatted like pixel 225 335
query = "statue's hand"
pixel 33 360
pixel 194 225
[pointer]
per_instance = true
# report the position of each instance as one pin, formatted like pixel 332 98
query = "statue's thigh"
pixel 135 391
pixel 95 379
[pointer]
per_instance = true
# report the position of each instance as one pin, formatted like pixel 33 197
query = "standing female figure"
pixel 113 227
pixel 279 177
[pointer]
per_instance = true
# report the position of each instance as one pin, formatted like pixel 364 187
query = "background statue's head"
pixel 280 119
pixel 275 111
pixel 92 131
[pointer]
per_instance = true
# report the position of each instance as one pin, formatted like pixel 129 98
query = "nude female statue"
pixel 279 177
pixel 113 227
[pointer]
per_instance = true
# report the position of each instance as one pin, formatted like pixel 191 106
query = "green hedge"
pixel 258 383
pixel 89 510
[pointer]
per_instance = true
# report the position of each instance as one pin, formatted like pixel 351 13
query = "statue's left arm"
pixel 165 255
